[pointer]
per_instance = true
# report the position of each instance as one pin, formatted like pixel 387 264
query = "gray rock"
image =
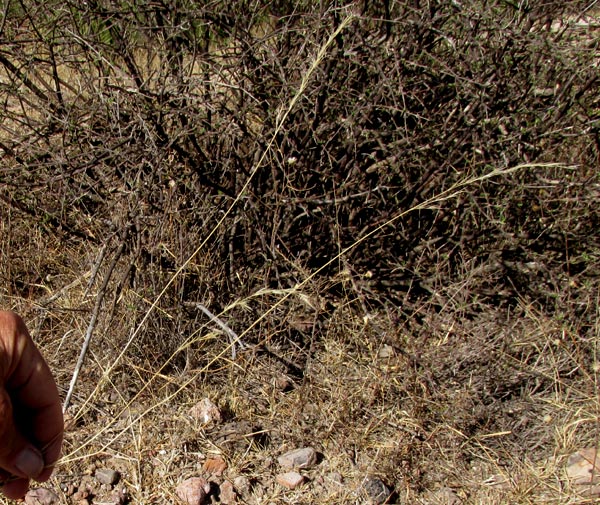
pixel 299 458
pixel 377 492
pixel 107 476
pixel 242 485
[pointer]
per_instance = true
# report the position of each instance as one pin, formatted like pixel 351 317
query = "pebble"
pixel 87 488
pixel 242 485
pixel 227 493
pixel 115 498
pixel 583 468
pixel 80 496
pixel 206 412
pixel 298 458
pixel 386 351
pixel 291 480
pixel 214 466
pixel 107 476
pixel 193 491
pixel 376 490
pixel 41 496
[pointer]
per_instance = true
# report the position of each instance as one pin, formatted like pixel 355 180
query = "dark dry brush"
pixel 233 154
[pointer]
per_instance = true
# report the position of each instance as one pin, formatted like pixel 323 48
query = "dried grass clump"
pixel 367 228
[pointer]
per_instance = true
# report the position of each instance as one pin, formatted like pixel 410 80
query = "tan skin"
pixel 31 421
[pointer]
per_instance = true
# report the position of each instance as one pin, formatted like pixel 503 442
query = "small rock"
pixel 107 476
pixel 242 485
pixel 376 490
pixel 88 487
pixel 214 466
pixel 227 493
pixel 583 467
pixel 291 480
pixel 41 496
pixel 115 498
pixel 299 458
pixel 386 351
pixel 80 496
pixel 206 412
pixel 193 491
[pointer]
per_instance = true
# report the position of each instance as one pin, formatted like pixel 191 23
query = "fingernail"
pixel 29 462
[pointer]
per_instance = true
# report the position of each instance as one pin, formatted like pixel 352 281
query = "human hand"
pixel 31 421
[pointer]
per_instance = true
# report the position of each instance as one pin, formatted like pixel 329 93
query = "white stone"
pixel 242 485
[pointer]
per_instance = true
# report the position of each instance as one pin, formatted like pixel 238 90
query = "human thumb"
pixel 17 456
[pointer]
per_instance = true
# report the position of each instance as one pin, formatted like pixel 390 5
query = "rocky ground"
pixel 301 475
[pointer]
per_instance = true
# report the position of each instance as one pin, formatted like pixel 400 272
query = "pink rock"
pixel 41 496
pixel 206 412
pixel 583 467
pixel 193 491
pixel 291 480
pixel 227 494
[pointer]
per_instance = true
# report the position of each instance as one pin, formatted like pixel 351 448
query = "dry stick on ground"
pixel 64 289
pixel 91 326
pixel 233 336
pixel 99 261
